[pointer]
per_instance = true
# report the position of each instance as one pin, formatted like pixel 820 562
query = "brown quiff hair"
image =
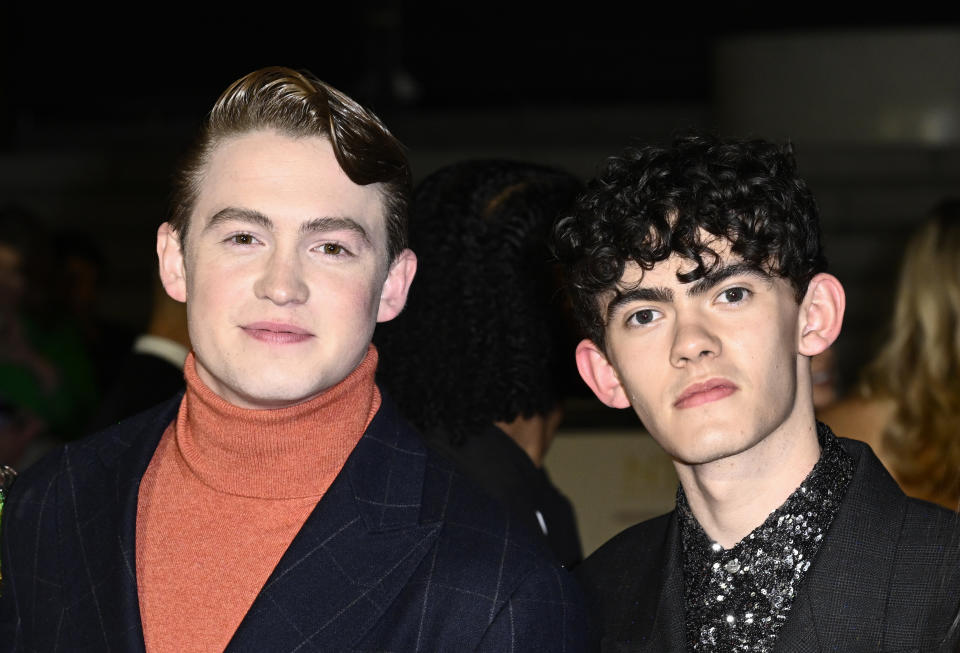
pixel 299 105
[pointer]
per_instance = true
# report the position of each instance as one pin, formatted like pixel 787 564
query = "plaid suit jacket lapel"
pixel 102 519
pixel 355 552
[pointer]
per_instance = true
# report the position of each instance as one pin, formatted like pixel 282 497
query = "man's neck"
pixel 732 496
pixel 533 434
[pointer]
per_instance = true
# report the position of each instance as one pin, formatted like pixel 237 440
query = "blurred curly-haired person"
pixel 697 273
pixel 281 503
pixel 478 358
pixel 907 407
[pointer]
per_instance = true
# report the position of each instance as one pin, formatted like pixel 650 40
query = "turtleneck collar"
pixel 282 453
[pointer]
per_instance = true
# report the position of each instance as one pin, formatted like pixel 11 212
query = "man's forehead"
pixel 666 271
pixel 283 176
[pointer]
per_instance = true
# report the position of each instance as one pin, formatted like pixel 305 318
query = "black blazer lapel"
pixel 639 590
pixel 843 600
pixel 102 520
pixel 799 634
pixel 355 552
pixel 668 628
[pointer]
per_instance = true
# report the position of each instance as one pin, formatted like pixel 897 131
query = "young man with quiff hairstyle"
pixel 697 274
pixel 280 504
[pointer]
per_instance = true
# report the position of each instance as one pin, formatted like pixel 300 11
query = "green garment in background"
pixel 65 408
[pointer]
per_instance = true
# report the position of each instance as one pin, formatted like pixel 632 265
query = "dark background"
pixel 97 104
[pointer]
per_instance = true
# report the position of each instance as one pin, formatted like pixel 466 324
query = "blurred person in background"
pixel 479 357
pixel 825 378
pixel 907 407
pixel 47 385
pixel 153 368
pixel 78 276
pixel 26 376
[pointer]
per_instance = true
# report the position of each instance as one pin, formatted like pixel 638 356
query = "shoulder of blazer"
pixel 624 580
pixel 82 462
pixel 465 508
pixel 922 524
pixel 483 567
pixel 143 429
pixel 448 496
pixel 632 548
pixel 918 543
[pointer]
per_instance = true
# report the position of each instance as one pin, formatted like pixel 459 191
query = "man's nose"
pixel 692 341
pixel 281 280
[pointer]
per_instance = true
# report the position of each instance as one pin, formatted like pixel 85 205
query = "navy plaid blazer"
pixel 401 554
pixel 886 578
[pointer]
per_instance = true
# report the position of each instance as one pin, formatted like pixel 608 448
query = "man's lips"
pixel 703 393
pixel 276 332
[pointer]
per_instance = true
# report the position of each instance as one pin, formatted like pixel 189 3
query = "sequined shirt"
pixel 737 599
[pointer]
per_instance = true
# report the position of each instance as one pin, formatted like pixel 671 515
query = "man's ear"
pixel 172 270
pixel 599 374
pixel 821 314
pixel 394 295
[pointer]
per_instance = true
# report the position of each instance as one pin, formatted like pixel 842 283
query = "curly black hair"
pixel 652 202
pixel 483 337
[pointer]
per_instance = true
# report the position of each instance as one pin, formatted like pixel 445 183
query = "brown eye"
pixel 243 239
pixel 332 248
pixel 735 295
pixel 644 317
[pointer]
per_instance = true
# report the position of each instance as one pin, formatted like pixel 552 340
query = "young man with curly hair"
pixel 697 274
pixel 281 503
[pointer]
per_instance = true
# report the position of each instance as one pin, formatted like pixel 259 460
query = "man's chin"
pixel 703 446
pixel 272 396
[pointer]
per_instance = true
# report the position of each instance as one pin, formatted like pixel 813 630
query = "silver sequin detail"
pixel 738 599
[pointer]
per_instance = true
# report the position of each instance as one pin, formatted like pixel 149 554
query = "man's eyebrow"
pixel 661 295
pixel 240 215
pixel 321 225
pixel 722 273
pixel 698 287
pixel 316 225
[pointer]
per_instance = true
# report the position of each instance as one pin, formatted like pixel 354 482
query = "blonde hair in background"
pixel 918 368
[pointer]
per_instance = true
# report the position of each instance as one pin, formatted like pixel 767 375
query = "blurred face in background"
pixel 12 280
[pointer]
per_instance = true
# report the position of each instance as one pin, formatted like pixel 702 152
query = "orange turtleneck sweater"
pixel 224 495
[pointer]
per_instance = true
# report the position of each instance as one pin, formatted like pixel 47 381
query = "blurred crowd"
pixel 906 405
pixel 64 370
pixel 56 353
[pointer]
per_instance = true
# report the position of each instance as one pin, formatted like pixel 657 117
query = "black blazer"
pixel 491 459
pixel 401 554
pixel 887 578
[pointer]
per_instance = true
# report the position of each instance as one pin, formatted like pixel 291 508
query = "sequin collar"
pixel 737 599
